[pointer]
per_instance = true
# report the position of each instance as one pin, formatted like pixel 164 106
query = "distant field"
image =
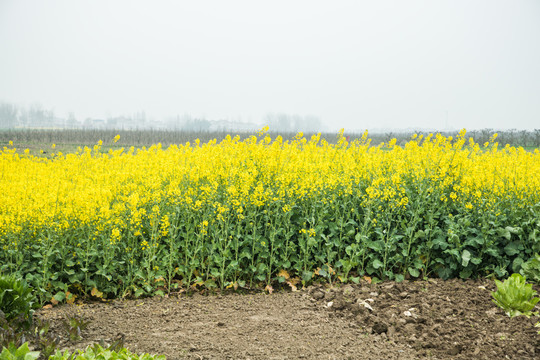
pixel 68 141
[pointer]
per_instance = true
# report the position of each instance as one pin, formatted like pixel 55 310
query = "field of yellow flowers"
pixel 264 212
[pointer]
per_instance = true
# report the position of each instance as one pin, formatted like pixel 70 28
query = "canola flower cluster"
pixel 238 211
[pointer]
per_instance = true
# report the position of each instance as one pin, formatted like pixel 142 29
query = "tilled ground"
pixel 434 319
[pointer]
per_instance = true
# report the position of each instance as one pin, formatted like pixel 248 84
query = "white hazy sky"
pixel 354 64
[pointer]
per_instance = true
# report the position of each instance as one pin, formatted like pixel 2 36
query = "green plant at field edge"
pixel 16 300
pixel 17 303
pixel 12 334
pixel 12 352
pixel 531 269
pixel 45 342
pixel 74 326
pixel 98 352
pixel 515 296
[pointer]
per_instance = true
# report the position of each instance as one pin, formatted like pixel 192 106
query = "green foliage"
pixel 74 326
pixel 515 296
pixel 531 269
pixel 16 324
pixel 16 300
pixel 97 352
pixel 13 352
pixel 13 334
pixel 45 342
pixel 422 239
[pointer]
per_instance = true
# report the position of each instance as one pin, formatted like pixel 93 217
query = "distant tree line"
pixel 37 117
pixel 27 123
pixel 12 116
pixel 293 123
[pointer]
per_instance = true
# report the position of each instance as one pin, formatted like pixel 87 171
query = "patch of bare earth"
pixel 409 320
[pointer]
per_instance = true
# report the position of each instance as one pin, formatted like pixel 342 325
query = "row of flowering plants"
pixel 262 211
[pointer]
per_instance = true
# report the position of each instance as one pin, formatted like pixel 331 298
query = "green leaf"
pixel 531 269
pixel 516 264
pixel 377 264
pixel 23 352
pixel 215 272
pixel 504 233
pixel 513 248
pixel 70 263
pixel 210 284
pixel 307 275
pixel 465 258
pixel 376 245
pixel 476 260
pixel 311 242
pixel 474 241
pixel 414 272
pixel 512 230
pixel 493 251
pixel 444 272
pixel 465 273
pixel 59 296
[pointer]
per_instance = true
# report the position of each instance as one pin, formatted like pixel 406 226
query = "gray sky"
pixel 355 64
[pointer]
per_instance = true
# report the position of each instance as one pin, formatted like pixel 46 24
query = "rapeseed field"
pixel 264 212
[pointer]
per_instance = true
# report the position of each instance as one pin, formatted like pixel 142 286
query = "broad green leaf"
pixel 513 248
pixel 465 258
pixel 60 296
pixel 476 260
pixel 414 272
pixel 307 275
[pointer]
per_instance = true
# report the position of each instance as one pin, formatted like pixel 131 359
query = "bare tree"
pixel 8 115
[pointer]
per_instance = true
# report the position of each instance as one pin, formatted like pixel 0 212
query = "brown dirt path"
pixel 426 319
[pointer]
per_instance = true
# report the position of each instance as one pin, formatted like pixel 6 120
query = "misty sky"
pixel 354 64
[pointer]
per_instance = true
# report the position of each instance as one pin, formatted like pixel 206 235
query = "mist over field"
pixel 239 65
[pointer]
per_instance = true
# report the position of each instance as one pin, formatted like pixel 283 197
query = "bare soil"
pixel 434 319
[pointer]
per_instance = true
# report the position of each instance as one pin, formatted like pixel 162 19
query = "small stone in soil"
pixel 454 350
pixel 318 295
